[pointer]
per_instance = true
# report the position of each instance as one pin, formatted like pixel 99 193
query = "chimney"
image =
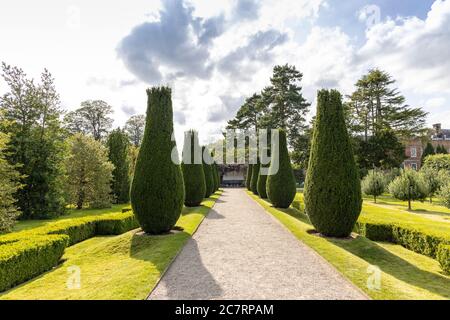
pixel 437 128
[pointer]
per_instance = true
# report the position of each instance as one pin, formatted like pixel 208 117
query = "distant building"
pixel 414 147
pixel 232 175
pixel 413 151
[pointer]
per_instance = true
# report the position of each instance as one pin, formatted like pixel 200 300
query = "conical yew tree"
pixel 261 184
pixel 263 168
pixel 157 191
pixel 193 174
pixel 219 180
pixel 216 176
pixel 280 185
pixel 214 173
pixel 254 180
pixel 248 178
pixel 332 188
pixel 207 168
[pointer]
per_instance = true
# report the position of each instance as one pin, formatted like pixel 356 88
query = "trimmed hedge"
pixel 193 174
pixel 207 169
pixel 407 236
pixel 443 256
pixel 434 246
pixel 280 185
pixel 261 185
pixel 248 177
pixel 27 258
pixel 157 190
pixel 333 198
pixel 215 176
pixel 27 254
pixel 254 179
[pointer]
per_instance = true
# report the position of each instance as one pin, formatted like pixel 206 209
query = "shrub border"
pixel 29 253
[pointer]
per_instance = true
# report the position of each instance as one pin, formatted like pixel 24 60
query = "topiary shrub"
pixel 280 186
pixel 409 186
pixel 215 177
pixel 261 184
pixel 443 256
pixel 209 180
pixel 333 199
pixel 219 182
pixel 193 174
pixel 254 179
pixel 157 191
pixel 248 178
pixel 373 184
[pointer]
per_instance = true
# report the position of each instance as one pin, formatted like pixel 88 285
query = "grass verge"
pixel 126 267
pixel 403 273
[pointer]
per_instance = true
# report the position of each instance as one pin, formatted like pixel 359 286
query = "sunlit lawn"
pixel 434 210
pixel 404 274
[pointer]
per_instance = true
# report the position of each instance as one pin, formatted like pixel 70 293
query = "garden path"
pixel 241 252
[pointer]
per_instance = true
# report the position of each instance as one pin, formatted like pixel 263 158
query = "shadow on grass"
pixel 389 263
pixel 193 281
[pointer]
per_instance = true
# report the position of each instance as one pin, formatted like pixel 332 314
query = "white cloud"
pixel 85 63
pixel 415 51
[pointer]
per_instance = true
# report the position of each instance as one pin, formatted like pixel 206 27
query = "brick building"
pixel 414 148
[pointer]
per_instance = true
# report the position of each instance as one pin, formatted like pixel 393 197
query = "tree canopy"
pixel 134 127
pixel 93 118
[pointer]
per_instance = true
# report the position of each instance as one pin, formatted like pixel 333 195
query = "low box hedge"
pixel 407 236
pixel 26 258
pixel 443 256
pixel 27 254
pixel 421 240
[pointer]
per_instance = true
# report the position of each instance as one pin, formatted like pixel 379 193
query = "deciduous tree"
pixel 89 173
pixel 134 127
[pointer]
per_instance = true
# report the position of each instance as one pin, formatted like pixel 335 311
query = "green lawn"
pixel 425 209
pixel 127 266
pixel 72 213
pixel 404 274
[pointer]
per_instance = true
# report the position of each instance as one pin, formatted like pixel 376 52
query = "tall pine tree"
pixel 37 142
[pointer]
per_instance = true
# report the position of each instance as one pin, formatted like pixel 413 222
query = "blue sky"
pixel 344 13
pixel 214 54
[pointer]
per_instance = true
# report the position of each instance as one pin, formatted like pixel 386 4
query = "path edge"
pixel 181 249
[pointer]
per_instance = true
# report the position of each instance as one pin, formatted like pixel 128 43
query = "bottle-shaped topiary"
pixel 262 180
pixel 254 180
pixel 207 168
pixel 219 180
pixel 214 174
pixel 157 191
pixel 280 185
pixel 332 189
pixel 193 174
pixel 248 178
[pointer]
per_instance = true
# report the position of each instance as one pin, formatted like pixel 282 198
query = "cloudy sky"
pixel 215 53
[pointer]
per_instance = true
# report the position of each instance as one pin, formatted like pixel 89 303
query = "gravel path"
pixel 241 252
